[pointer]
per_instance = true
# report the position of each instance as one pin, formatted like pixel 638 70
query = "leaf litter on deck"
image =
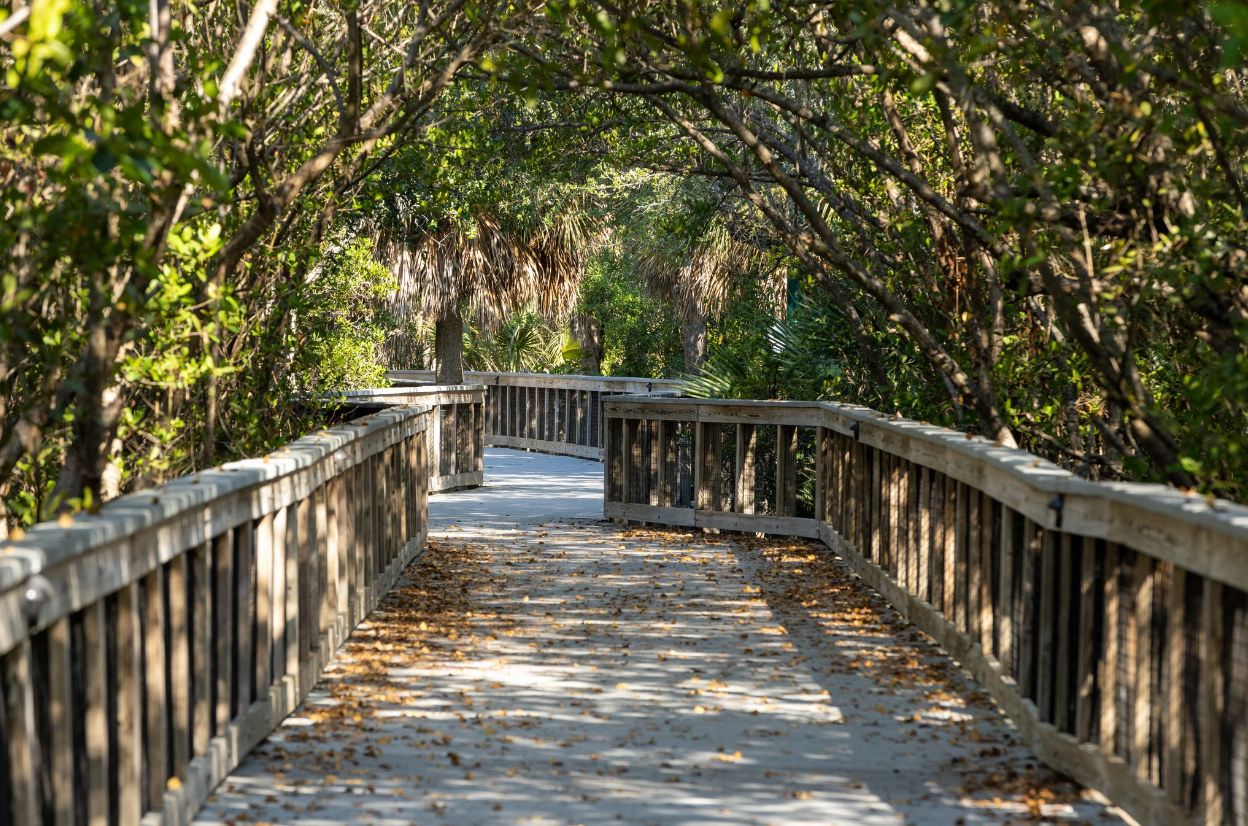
pixel 596 673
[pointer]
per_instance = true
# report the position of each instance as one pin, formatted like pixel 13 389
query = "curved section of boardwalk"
pixel 541 667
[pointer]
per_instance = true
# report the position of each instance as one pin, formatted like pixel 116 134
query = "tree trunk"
pixel 449 348
pixel 693 328
pixel 588 337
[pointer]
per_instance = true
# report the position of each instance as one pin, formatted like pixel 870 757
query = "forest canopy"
pixel 1025 220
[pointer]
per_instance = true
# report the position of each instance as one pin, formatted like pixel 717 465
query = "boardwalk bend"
pixel 881 622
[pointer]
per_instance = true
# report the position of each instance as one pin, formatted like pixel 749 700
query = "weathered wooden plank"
pixel 297 615
pixel 1176 733
pixel 786 469
pixel 156 743
pixel 1212 708
pixel 296 528
pixel 1110 662
pixel 962 573
pixel 1085 702
pixel 1141 728
pixel 950 551
pixel 1046 663
pixel 244 608
pixel 975 572
pixel 128 628
pixel 987 606
pixel 1066 604
pixel 1028 629
pixel 23 738
pixel 95 716
pixel 706 470
pixel 179 636
pixel 266 549
pixel 1005 585
pixel 201 647
pixel 747 456
pixel 874 527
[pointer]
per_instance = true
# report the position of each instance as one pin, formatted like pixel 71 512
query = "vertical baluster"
pixel 706 466
pixel 156 747
pixel 201 647
pixel 786 469
pixel 1212 696
pixel 1088 655
pixel 245 607
pixel 129 724
pixel 1028 630
pixel 1005 586
pixel 262 662
pixel 747 453
pixel 1141 751
pixel 296 527
pixel 924 541
pixel 23 738
pixel 95 717
pixel 329 562
pixel 987 607
pixel 1046 671
pixel 179 637
pixel 305 577
pixel 478 438
pixel 223 627
pixel 937 527
pixel 1065 599
pixel 1175 780
pixel 872 525
pixel 961 509
pixel 1111 627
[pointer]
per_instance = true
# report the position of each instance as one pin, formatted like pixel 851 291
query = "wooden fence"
pixel 547 413
pixel 144 650
pixel 1110 621
pixel 456 459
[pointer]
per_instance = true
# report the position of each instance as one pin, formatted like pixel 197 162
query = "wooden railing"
pixel 544 412
pixel 145 649
pixel 456 458
pixel 1109 621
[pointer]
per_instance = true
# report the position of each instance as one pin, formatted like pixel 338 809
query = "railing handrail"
pixel 1216 547
pixel 410 390
pixel 1106 618
pixel 165 509
pixel 614 384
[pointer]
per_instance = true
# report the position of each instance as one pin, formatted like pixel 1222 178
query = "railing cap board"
pixel 413 390
pixel 1210 539
pixel 566 380
pixel 189 510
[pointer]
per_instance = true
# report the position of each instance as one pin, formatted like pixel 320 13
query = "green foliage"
pixel 640 334
pixel 344 319
pixel 524 343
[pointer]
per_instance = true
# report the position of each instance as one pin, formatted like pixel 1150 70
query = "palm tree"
pixel 484 268
pixel 695 274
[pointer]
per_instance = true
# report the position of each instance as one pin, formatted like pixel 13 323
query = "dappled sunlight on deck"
pixel 582 672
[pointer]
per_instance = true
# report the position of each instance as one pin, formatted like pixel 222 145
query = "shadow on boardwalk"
pixel 583 673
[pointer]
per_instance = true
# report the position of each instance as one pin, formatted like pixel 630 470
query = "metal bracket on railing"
pixel 1055 505
pixel 498 379
pixel 649 387
pixel 37 593
pixel 853 428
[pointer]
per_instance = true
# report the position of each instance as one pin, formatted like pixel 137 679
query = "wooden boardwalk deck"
pixel 540 666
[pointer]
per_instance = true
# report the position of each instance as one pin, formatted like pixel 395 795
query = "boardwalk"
pixel 540 666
